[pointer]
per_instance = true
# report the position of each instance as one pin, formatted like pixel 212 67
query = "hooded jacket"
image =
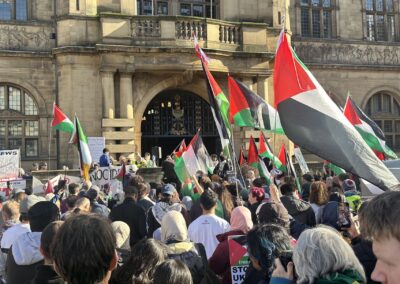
pixel 23 258
pixel 299 210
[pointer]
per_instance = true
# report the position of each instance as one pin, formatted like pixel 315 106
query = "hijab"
pixel 173 227
pixel 241 219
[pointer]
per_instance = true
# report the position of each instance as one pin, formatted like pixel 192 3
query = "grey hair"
pixel 321 251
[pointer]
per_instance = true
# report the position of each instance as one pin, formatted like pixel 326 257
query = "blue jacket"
pixel 104 161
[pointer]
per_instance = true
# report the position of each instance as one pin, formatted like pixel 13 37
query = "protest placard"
pixel 105 177
pixel 9 164
pixel 238 258
pixel 300 159
pixel 96 146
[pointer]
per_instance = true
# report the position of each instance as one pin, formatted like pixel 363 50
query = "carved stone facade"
pixel 353 54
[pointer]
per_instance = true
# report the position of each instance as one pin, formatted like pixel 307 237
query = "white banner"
pixel 40 188
pixel 9 163
pixel 105 176
pixel 96 146
pixel 300 159
pixel 7 185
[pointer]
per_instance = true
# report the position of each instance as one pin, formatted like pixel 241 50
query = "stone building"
pixel 128 70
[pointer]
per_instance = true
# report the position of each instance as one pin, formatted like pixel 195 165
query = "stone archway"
pixel 176 114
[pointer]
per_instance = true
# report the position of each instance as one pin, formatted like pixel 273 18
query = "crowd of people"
pixel 170 233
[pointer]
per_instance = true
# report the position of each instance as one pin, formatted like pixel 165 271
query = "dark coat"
pixel 299 210
pixel 132 214
pixel 19 274
pixel 363 250
pixel 219 261
pixel 45 274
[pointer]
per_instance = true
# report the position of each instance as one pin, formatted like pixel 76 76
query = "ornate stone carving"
pixel 348 54
pixel 24 37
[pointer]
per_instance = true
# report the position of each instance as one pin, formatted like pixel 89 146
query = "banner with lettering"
pixel 238 258
pixel 9 164
pixel 106 177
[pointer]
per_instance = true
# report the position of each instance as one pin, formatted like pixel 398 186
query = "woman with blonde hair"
pixel 318 197
pixel 321 256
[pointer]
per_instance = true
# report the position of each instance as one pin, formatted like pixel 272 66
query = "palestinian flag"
pixel 333 168
pixel 252 154
pixel 80 140
pixel 49 187
pixel 194 158
pixel 242 160
pixel 249 109
pixel 219 110
pixel 60 121
pixel 282 159
pixel 312 120
pixel 263 171
pixel 182 148
pixel 265 151
pixel 121 175
pixel 369 130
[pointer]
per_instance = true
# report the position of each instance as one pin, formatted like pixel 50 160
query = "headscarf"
pixel 271 212
pixel 173 227
pixel 241 219
pixel 121 231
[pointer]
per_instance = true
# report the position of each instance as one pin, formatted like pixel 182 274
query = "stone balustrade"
pixel 178 31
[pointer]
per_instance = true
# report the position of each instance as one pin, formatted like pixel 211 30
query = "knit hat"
pixel 121 231
pixel 349 184
pixel 271 212
pixel 28 202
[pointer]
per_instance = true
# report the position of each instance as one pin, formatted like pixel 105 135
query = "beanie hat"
pixel 349 184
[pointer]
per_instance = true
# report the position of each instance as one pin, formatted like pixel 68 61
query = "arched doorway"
pixel 174 115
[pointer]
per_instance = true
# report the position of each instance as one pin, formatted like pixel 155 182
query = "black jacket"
pixel 363 250
pixel 45 274
pixel 18 274
pixel 132 214
pixel 299 210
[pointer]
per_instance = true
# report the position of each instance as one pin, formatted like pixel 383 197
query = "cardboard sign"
pixel 9 164
pixel 300 159
pixel 96 146
pixel 238 258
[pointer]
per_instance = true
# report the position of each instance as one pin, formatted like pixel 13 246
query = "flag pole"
pixel 50 134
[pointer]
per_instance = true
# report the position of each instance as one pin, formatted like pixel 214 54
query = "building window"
pixel 380 22
pixel 13 10
pixel 19 121
pixel 316 18
pixel 145 7
pixel 384 109
pixel 162 8
pixel 199 8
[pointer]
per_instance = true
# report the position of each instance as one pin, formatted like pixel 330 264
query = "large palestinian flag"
pixel 249 109
pixel 80 140
pixel 60 121
pixel 312 120
pixel 369 130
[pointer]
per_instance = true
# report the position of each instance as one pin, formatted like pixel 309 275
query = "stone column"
pixel 107 84
pixel 248 81
pixel 126 101
pixel 262 88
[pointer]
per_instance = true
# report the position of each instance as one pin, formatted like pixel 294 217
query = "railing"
pixel 185 29
pixel 171 31
pixel 146 27
pixel 229 34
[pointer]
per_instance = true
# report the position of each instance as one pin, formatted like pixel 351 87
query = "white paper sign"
pixel 105 176
pixel 96 146
pixel 300 159
pixel 9 163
